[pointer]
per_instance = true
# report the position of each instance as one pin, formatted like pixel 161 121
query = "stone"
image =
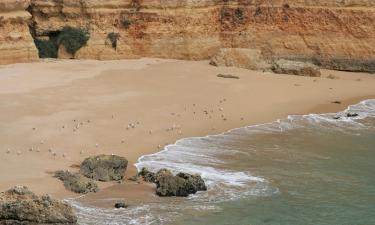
pixel 251 59
pixel 19 205
pixel 76 182
pixel 104 167
pixel 119 205
pixel 228 76
pixel 167 184
pixel 352 114
pixel 147 175
pixel 283 66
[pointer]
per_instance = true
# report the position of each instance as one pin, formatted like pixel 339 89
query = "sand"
pixel 76 109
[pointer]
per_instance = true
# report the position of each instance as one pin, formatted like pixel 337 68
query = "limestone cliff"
pixel 338 34
pixel 16 43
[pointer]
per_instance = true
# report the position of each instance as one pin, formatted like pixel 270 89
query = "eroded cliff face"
pixel 335 33
pixel 16 43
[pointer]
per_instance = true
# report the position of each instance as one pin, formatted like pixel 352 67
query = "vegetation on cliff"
pixel 71 38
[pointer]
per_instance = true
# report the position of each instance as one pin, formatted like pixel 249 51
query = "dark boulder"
pixel 76 182
pixel 104 167
pixel 195 180
pixel 119 205
pixel 20 206
pixel 352 115
pixel 183 184
pixel 147 175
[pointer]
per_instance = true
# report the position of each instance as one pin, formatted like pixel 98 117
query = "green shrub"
pixel 72 39
pixel 113 37
pixel 125 23
pixel 46 48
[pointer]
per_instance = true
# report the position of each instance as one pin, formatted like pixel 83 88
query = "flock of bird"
pixel 208 113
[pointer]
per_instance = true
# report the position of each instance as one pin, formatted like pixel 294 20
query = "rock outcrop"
pixel 295 68
pixel 20 206
pixel 104 167
pixel 333 34
pixel 241 57
pixel 76 182
pixel 167 184
pixel 16 43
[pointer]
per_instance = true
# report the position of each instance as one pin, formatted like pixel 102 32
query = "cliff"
pixel 335 34
pixel 16 43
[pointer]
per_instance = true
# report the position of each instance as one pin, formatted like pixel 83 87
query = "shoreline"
pixel 143 192
pixel 112 94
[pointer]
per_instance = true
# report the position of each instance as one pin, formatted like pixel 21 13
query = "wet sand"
pixel 56 113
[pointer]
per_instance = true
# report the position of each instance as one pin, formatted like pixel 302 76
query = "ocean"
pixel 310 169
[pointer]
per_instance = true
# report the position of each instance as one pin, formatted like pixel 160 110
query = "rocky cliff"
pixel 16 43
pixel 338 34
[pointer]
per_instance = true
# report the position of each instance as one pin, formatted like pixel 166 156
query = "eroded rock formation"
pixel 16 43
pixel 335 34
pixel 19 205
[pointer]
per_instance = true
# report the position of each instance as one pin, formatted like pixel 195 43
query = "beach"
pixel 56 113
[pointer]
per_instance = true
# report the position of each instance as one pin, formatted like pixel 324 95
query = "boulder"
pixel 195 180
pixel 352 114
pixel 147 175
pixel 283 66
pixel 251 59
pixel 104 167
pixel 76 182
pixel 119 205
pixel 20 206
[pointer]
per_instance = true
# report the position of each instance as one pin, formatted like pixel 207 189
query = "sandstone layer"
pixel 331 33
pixel 16 43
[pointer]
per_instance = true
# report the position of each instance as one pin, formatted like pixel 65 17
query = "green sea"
pixel 310 169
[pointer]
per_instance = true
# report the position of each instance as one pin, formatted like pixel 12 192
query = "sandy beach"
pixel 54 114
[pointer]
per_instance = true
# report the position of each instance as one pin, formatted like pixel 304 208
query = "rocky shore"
pixel 20 206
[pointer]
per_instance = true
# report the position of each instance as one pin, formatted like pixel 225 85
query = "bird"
pixel 50 150
pixel 31 149
pixel 8 151
pixel 150 131
pixel 64 155
pixel 81 152
pixel 41 142
pixel 19 152
pixel 96 145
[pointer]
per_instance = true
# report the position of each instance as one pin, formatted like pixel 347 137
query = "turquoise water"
pixel 309 169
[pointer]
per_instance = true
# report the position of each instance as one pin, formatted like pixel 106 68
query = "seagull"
pixel 31 149
pixel 64 155
pixel 41 142
pixel 81 152
pixel 96 145
pixel 19 152
pixel 50 149
pixel 150 131
pixel 8 151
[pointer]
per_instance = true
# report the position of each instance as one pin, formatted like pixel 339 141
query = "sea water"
pixel 310 169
